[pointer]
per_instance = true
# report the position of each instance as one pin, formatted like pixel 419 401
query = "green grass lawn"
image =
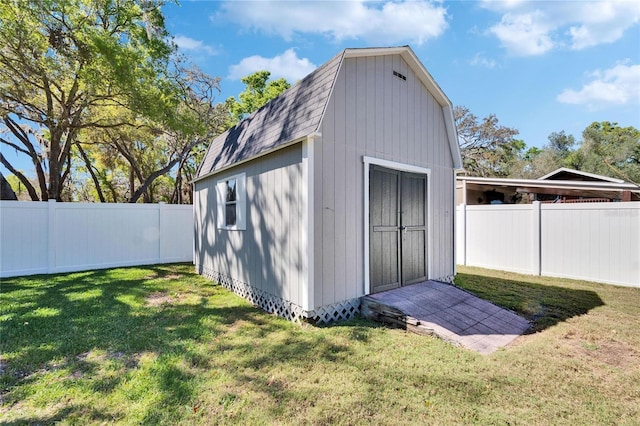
pixel 161 345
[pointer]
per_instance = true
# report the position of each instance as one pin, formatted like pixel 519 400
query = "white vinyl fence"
pixel 50 237
pixel 591 241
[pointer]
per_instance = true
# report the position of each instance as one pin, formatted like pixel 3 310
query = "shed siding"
pixel 374 113
pixel 267 255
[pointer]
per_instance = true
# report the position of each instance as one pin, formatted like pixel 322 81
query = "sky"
pixel 539 66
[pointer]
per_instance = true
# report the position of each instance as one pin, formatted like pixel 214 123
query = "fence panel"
pixel 24 241
pixel 500 237
pixel 595 241
pixel 63 237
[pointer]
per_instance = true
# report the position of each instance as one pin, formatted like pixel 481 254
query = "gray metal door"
pixel 397 228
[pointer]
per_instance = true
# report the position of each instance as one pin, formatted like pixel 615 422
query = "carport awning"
pixel 568 192
pixel 590 189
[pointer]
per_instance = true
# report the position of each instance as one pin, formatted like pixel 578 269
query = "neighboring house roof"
pixel 297 113
pixel 568 187
pixel 564 173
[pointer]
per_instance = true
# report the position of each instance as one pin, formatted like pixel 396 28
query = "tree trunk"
pixel 30 189
pixel 6 192
pixel 96 182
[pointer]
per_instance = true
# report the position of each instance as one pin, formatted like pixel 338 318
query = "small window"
pixel 231 202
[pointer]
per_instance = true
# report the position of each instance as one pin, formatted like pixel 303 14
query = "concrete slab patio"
pixel 448 312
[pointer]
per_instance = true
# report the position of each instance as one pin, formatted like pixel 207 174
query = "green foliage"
pixel 64 59
pixel 257 93
pixel 561 144
pixel 532 153
pixel 610 150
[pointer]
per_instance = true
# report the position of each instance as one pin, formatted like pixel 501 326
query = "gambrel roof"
pixel 297 113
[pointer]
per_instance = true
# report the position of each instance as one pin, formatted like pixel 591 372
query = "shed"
pixel 340 187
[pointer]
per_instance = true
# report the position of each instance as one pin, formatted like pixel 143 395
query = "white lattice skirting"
pixel 273 304
pixel 446 279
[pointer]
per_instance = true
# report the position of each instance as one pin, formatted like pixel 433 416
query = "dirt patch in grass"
pixel 162 298
pixel 616 354
pixel 172 277
pixel 163 277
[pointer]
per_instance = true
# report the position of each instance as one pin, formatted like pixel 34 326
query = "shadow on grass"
pixel 543 305
pixel 96 332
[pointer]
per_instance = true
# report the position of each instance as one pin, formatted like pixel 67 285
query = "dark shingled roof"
pixel 294 114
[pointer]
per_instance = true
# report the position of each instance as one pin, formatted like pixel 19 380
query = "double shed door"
pixel 397 228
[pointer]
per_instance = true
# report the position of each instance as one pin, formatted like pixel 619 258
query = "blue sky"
pixel 540 66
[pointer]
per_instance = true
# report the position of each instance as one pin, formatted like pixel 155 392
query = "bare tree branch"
pixel 30 189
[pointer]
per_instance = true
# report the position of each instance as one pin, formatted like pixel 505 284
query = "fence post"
pixel 51 236
pixel 536 237
pixel 161 223
pixel 463 233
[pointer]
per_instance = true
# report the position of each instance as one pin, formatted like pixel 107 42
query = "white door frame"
pixel 368 161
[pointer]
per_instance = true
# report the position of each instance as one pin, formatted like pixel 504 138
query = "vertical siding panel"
pixel 318 216
pixel 404 143
pixel 297 188
pixel 359 102
pixel 252 223
pixel 411 115
pixel 369 121
pixel 351 223
pixel 387 104
pixel 395 114
pixel 287 203
pixel 328 223
pixel 340 214
pixel 381 95
pixel 434 131
pixel 356 142
pixel 421 124
pixel 350 93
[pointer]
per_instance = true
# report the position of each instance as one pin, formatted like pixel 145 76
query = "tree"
pixel 487 148
pixel 257 93
pixel 138 154
pixel 537 162
pixel 64 59
pixel 610 150
pixel 561 144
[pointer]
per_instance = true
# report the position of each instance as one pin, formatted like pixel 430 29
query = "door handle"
pixel 403 229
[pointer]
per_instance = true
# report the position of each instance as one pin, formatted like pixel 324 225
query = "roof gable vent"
pixel 400 76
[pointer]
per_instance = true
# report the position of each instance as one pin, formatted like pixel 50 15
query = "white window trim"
pixel 241 202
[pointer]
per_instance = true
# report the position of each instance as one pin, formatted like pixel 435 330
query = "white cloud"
pixel 286 65
pixel 523 34
pixel 480 60
pixel 534 27
pixel 187 43
pixel 387 23
pixel 619 85
pixel 601 23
